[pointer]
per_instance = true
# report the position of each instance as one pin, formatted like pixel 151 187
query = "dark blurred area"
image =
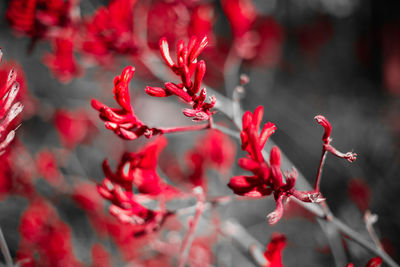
pixel 340 58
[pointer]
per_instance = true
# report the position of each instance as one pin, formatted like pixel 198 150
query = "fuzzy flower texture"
pixel 267 177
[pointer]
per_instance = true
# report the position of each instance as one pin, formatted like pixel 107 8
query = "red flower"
pixel 186 67
pixel 139 170
pixel 62 62
pixel 266 178
pixel 273 253
pixel 110 30
pixel 123 121
pixel 41 18
pixel 73 127
pixel 241 15
pixel 360 193
pixel 101 257
pixel 47 167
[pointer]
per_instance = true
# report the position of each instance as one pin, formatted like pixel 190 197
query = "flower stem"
pixel 189 237
pixel 5 250
pixel 195 127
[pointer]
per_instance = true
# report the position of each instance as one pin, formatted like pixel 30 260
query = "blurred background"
pixel 338 58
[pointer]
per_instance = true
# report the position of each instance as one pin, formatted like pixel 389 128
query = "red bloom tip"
pixel 275 156
pixel 198 49
pixel 321 120
pixel 257 116
pixel 156 91
pixel 164 48
pixel 242 184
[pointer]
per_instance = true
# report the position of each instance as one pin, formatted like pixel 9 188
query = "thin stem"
pixel 189 237
pixel 5 250
pixel 319 172
pixel 369 220
pixel 195 127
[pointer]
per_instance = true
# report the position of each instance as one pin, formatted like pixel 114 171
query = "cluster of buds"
pixel 9 108
pixel 267 178
pixel 186 67
pixel 137 170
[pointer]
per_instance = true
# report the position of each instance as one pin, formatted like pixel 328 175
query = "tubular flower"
pixel 321 120
pixel 9 108
pixel 186 67
pixel 267 178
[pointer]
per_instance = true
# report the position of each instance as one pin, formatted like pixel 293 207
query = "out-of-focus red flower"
pixel 86 196
pixel 100 256
pixel 213 149
pixel 41 18
pixel 312 37
pixel 62 62
pixel 275 247
pixel 267 178
pixel 110 30
pixel 42 232
pixel 47 167
pixel 169 19
pixel 391 58
pixel 360 193
pixel 73 127
pixel 139 170
pixel 201 21
pixel 241 15
pixel 185 68
pixel 374 262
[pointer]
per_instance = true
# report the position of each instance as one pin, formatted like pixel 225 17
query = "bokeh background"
pixel 339 58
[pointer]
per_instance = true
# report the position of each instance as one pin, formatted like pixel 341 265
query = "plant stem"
pixel 319 172
pixel 195 127
pixel 189 237
pixel 5 250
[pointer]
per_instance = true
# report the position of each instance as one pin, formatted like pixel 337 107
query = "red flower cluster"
pixel 137 170
pixel 9 107
pixel 41 18
pixel 110 30
pixel 123 121
pixel 267 178
pixel 186 67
